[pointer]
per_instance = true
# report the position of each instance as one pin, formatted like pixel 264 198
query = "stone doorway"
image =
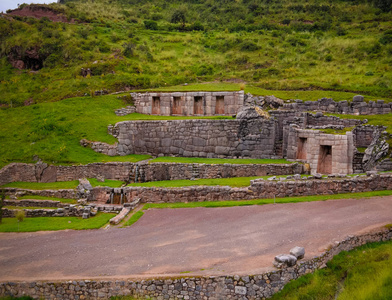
pixel 176 107
pixel 198 105
pixel 156 106
pixel 301 152
pixel 324 165
pixel 220 105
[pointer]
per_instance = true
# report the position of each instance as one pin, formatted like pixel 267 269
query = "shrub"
pixel 128 49
pixel 150 24
pixel 249 46
pixel 20 215
pixel 328 58
pixel 386 38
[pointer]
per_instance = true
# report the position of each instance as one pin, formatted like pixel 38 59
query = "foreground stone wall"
pixel 234 287
pixel 258 188
pixel 358 106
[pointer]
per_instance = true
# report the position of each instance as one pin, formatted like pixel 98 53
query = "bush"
pixel 249 46
pixel 386 38
pixel 20 215
pixel 150 24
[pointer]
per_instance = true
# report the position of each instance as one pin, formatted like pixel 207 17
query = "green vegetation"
pixel 281 45
pixel 55 223
pixel 43 185
pixel 134 218
pixel 199 160
pixel 110 183
pixel 363 273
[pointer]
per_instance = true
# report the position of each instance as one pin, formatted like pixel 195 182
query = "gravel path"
pixel 189 241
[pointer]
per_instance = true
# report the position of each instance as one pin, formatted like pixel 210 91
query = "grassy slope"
pixel 326 46
pixel 54 223
pixel 364 273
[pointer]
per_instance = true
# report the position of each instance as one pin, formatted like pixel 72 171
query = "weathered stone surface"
pixel 298 252
pixel 284 260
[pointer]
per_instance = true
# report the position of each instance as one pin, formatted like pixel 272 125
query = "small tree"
pixel 178 16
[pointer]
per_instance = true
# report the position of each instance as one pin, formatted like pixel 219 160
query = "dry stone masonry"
pixel 189 103
pixel 358 106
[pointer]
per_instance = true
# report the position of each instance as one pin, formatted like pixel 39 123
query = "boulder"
pixel 284 260
pixel 298 252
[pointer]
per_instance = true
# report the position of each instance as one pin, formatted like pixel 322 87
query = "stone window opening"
pixel 176 107
pixel 156 106
pixel 324 165
pixel 301 150
pixel 220 105
pixel 198 105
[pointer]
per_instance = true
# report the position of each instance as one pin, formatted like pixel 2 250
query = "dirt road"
pixel 195 241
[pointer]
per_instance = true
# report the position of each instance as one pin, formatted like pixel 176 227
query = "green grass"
pixel 43 185
pixel 233 182
pixel 110 183
pixel 199 160
pixel 54 223
pixel 34 197
pixel 269 201
pixel 134 218
pixel 363 273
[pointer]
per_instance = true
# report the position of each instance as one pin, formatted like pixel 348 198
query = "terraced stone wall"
pixel 144 172
pixel 258 189
pixel 357 106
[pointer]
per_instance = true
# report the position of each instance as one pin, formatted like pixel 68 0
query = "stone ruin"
pixel 252 132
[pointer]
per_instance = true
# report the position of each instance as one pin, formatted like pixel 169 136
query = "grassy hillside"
pixel 275 45
pixel 364 273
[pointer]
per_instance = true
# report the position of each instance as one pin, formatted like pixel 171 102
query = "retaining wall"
pixel 208 287
pixel 258 188
pixel 69 211
pixel 358 106
pixel 34 203
pixel 193 138
pixel 125 171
